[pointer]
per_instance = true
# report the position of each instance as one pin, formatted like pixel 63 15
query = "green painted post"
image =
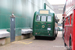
pixel 44 5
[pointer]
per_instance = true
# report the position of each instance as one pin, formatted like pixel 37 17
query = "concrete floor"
pixel 36 44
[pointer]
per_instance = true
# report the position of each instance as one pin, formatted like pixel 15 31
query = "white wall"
pixel 59 17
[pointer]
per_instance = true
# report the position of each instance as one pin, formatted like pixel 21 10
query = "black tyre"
pixel 65 44
pixel 36 37
pixel 56 35
pixel 70 45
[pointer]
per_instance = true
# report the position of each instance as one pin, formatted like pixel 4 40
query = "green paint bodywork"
pixel 23 11
pixel 37 25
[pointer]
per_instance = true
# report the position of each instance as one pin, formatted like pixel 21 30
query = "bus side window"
pixel 65 21
pixel 71 19
pixel 37 18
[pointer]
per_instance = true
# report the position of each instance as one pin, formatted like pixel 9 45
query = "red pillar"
pixel 73 35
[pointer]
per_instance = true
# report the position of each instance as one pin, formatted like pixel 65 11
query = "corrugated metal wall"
pixel 23 11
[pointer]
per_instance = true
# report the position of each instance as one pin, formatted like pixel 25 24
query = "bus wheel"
pixel 36 37
pixel 56 35
pixel 70 45
pixel 65 44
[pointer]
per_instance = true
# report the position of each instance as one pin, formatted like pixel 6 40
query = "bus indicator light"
pixel 35 33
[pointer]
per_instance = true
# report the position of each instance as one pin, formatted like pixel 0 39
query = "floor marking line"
pixel 24 42
pixel 21 42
